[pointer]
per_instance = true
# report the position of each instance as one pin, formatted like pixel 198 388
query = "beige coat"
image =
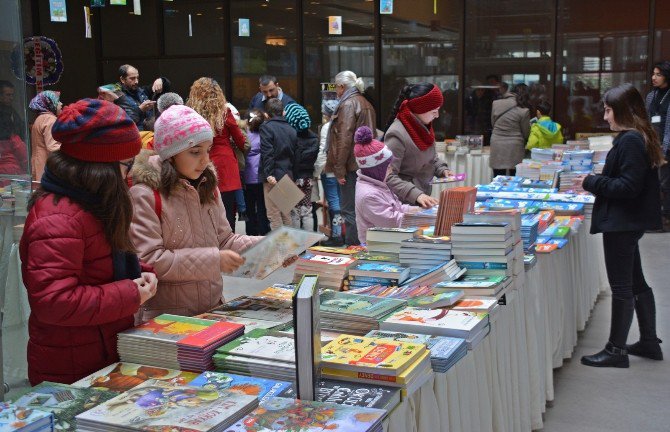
pixel 411 169
pixel 511 127
pixel 183 246
pixel 42 143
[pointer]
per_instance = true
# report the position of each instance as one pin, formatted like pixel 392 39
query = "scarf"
pixel 422 135
pixel 126 265
pixel 350 92
pixel 45 101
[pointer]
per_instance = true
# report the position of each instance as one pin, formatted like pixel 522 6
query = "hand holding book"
pixel 229 261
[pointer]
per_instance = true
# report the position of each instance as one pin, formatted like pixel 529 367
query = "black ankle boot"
pixel 649 344
pixel 611 356
pixel 647 349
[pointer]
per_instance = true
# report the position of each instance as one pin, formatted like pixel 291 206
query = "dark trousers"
pixel 228 199
pixel 504 172
pixel 664 178
pixel 348 208
pixel 257 222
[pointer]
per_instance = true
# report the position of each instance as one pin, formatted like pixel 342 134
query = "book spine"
pixel 339 373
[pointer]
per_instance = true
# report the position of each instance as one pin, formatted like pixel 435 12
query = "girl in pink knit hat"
pixel 376 204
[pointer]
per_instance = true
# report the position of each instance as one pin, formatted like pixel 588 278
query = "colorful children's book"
pixel 248 323
pixel 438 322
pixel 64 401
pixel 260 387
pixel 121 377
pixel 357 395
pixel 262 344
pixel 436 300
pixel 18 419
pixel 358 305
pixel 276 295
pixel 380 270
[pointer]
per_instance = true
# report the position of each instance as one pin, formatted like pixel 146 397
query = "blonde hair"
pixel 349 79
pixel 207 99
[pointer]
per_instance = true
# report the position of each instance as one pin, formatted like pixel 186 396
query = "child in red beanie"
pixel 376 204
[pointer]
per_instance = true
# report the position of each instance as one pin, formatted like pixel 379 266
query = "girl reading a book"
pixel 410 137
pixel 83 278
pixel 376 204
pixel 179 224
pixel 627 203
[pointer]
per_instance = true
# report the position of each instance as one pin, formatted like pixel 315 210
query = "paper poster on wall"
pixel 245 27
pixel 137 7
pixel 386 7
pixel 117 2
pixel 58 10
pixel 97 3
pixel 334 25
pixel 88 34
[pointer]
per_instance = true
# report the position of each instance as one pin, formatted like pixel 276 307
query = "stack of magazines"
pixel 331 269
pixel 421 218
pixel 355 314
pixel 176 342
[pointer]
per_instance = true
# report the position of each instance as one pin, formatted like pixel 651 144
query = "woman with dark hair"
pixel 83 277
pixel 627 203
pixel 510 117
pixel 657 103
pixel 410 136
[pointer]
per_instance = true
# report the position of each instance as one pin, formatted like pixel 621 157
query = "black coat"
pixel 628 192
pixel 306 151
pixel 278 143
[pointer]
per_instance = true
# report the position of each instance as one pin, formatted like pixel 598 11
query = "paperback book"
pixel 262 388
pixel 121 377
pixel 18 419
pixel 306 322
pixel 438 322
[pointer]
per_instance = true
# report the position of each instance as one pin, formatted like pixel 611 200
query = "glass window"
pixel 271 47
pixel 193 27
pixel 126 35
pixel 509 42
pixel 421 43
pixel 599 50
pixel 328 54
pixel 662 31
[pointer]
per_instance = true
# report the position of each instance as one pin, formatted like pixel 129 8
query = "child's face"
pixel 192 162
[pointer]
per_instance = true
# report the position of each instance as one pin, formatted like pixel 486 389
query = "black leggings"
pixel 229 203
pixel 623 263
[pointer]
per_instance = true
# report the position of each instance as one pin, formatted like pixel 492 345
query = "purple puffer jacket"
pixel 250 175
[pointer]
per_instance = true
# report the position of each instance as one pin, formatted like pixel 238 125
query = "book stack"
pixel 454 203
pixel 529 229
pixel 421 218
pixel 600 146
pixel 362 274
pixel 568 184
pixel 355 314
pixel 542 154
pixel 260 353
pixel 421 296
pixel 284 414
pixel 121 377
pixel 448 270
pixel 276 295
pixel 577 160
pixel 157 405
pixel 472 327
pixel 478 285
pixel 488 305
pixel 445 351
pixel 484 247
pixel 176 342
pixel 330 269
pixel 64 401
pixel 388 239
pixel 262 388
pixel 357 395
pixel 529 168
pixel 367 360
pixel 424 253
pixel 18 419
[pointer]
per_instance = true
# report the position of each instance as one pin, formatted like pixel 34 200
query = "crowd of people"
pixel 98 256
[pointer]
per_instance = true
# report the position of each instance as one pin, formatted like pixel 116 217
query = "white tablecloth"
pixel 475 166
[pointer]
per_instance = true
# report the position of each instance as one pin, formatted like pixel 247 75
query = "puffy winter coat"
pixel 42 142
pixel 76 308
pixel 182 244
pixel 13 156
pixel 278 143
pixel 253 159
pixel 223 157
pixel 544 133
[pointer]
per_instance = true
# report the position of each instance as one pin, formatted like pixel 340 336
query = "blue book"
pixel 379 270
pixel 393 278
pixel 483 265
pixel 262 388
pixel 558 242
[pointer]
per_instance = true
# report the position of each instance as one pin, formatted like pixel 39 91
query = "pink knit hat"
pixel 179 128
pixel 368 151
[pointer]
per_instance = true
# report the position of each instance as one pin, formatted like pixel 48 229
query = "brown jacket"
pixel 42 142
pixel 183 245
pixel 353 112
pixel 412 169
pixel 511 127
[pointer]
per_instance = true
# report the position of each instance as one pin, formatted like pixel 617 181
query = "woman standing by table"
pixel 627 203
pixel 411 138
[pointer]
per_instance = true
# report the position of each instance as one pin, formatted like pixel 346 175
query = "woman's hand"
pixel 146 285
pixel 426 201
pixel 272 180
pixel 229 261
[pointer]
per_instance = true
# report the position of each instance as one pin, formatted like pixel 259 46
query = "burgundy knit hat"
pixel 372 156
pixel 428 102
pixel 95 130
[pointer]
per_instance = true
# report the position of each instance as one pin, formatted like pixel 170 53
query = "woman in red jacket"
pixel 83 278
pixel 207 99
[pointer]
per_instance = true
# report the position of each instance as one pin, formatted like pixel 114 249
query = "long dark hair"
pixel 104 180
pixel 629 112
pixel 207 190
pixel 522 96
pixel 410 91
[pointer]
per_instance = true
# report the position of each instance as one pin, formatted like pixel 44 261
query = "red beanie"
pixel 95 130
pixel 428 102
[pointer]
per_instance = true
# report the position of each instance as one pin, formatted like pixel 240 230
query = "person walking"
pixel 657 103
pixel 510 117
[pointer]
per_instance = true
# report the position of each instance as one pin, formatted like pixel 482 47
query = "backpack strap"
pixel 158 204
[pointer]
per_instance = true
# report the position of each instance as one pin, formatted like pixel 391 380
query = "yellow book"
pixel 362 354
pixel 419 368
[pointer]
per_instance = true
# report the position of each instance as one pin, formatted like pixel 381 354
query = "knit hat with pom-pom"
pixel 372 156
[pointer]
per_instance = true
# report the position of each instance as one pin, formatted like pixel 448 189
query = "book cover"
pixel 439 322
pixel 277 294
pixel 306 322
pixel 168 328
pixel 472 281
pixel 262 344
pixel 357 395
pixel 436 300
pixel 217 332
pixel 377 267
pixel 64 401
pixel 15 418
pixel 121 377
pixel 358 305
pixel 470 304
pixel 262 388
pixel 249 324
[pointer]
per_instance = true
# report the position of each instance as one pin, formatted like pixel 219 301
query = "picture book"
pixel 262 388
pixel 249 324
pixel 334 250
pixel 64 401
pixel 450 179
pixel 309 258
pixel 358 305
pixel 471 304
pixel 277 295
pixel 438 322
pixel 436 300
pixel 121 377
pixel 379 269
pixel 15 418
pixel 270 253
pixel 262 344
pixel 357 395
pixel 180 329
pixel 294 415
pixel 164 406
pixel 376 256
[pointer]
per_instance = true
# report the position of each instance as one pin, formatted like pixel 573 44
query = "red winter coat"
pixel 223 157
pixel 76 309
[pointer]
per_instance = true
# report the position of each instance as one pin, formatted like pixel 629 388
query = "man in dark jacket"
pixel 138 103
pixel 269 88
pixel 278 143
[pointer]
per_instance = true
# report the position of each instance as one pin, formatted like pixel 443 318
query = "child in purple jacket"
pixel 257 219
pixel 376 204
